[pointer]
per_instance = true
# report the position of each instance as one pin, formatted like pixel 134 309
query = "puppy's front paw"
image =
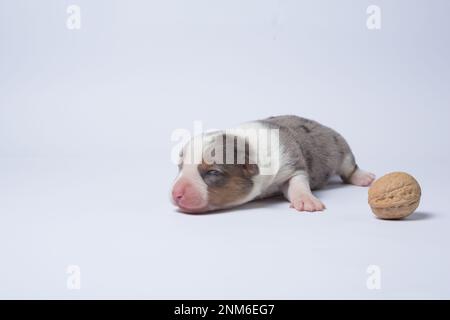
pixel 307 203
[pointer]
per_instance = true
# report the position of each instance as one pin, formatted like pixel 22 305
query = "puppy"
pixel 285 155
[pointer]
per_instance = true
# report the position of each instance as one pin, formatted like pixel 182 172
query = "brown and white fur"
pixel 308 154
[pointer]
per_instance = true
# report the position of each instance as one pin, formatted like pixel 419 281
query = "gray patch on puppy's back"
pixel 311 146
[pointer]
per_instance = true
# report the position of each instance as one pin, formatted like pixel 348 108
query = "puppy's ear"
pixel 242 154
pixel 250 170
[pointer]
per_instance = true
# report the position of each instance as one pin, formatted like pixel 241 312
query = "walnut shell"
pixel 394 196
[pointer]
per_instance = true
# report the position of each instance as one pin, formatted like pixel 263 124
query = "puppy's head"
pixel 215 172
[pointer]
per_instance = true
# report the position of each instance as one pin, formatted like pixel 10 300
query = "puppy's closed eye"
pixel 214 177
pixel 213 173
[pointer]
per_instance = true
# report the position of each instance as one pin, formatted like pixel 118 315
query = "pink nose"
pixel 178 193
pixel 187 197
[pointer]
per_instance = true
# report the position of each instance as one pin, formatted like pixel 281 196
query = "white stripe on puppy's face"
pixel 189 192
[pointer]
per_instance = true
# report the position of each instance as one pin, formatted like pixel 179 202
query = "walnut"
pixel 394 196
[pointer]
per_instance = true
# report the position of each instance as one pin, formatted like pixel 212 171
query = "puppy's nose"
pixel 177 194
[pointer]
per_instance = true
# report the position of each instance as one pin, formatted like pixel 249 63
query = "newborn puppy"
pixel 285 155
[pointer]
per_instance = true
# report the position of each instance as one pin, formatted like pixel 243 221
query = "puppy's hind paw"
pixel 362 178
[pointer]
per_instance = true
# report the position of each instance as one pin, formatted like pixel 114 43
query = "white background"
pixel 86 118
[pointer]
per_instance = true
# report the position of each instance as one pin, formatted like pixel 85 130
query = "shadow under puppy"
pixel 223 169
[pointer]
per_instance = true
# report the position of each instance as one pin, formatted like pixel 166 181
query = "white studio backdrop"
pixel 86 117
